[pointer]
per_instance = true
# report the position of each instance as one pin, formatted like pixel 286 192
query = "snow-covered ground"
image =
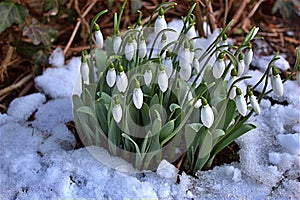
pixel 38 160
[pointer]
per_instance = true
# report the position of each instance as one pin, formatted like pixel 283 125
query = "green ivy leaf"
pixel 11 13
pixel 37 33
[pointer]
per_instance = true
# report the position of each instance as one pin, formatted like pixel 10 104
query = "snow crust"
pixel 38 160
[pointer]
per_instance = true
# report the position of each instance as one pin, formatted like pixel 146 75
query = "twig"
pixel 239 12
pixel 77 25
pixel 16 85
pixel 5 64
pixel 210 15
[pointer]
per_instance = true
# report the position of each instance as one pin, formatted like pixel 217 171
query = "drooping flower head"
pixel 129 49
pixel 143 47
pixel 162 79
pixel 111 75
pixel 148 75
pixel 253 101
pixel 84 68
pixel 161 45
pixel 117 111
pixel 184 57
pixel 219 66
pixel 241 65
pixel 98 36
pixel 122 80
pixel 168 64
pixel 276 82
pixel 240 102
pixel 207 115
pixel 232 79
pixel 117 40
pixel 137 96
pixel 224 43
pixel 248 55
pixel 160 22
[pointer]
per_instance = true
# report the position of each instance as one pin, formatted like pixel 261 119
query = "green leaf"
pixel 137 149
pixel 114 137
pixel 174 106
pixel 205 144
pixel 88 110
pixel 100 59
pixel 216 134
pixel 11 13
pixel 37 33
pixel 231 136
pixel 101 113
pixel 166 130
pixel 230 110
pixel 145 115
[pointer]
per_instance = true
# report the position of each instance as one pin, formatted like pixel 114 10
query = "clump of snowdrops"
pixel 168 100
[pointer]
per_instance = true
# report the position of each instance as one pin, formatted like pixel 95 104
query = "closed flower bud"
pixel 196 65
pixel 241 65
pixel 84 70
pixel 160 22
pixel 117 112
pixel 162 80
pixel 191 33
pixel 224 43
pixel 122 80
pixel 241 103
pixel 255 104
pixel 98 37
pixel 184 57
pixel 219 66
pixel 207 115
pixel 185 74
pixel 168 65
pixel 111 76
pixel 248 56
pixel 276 82
pixel 143 48
pixel 137 96
pixel 129 50
pixel 117 43
pixel 148 77
pixel 230 82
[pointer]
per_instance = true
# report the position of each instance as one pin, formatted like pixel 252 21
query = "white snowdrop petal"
pixel 255 104
pixel 138 98
pixel 117 113
pixel 84 70
pixel 99 39
pixel 241 105
pixel 117 43
pixel 248 57
pixel 142 49
pixel 163 81
pixel 122 82
pixel 207 116
pixel 232 94
pixel 129 51
pixel 184 59
pixel 241 67
pixel 160 24
pixel 111 77
pixel 196 65
pixel 168 65
pixel 218 68
pixel 191 33
pixel 277 85
pixel 148 77
pixel 185 74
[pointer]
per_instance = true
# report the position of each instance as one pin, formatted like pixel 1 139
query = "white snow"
pixel 38 160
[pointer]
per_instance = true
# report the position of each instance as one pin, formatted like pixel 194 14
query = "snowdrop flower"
pixel 148 77
pixel 122 80
pixel 98 36
pixel 196 65
pixel 137 95
pixel 160 22
pixel 230 82
pixel 248 56
pixel 191 32
pixel 219 66
pixel 224 43
pixel 161 45
pixel 117 42
pixel 184 57
pixel 139 28
pixel 253 101
pixel 162 79
pixel 298 75
pixel 241 65
pixel 192 51
pixel 134 44
pixel 129 49
pixel 276 82
pixel 207 115
pixel 240 102
pixel 168 65
pixel 84 70
pixel 143 48
pixel 117 112
pixel 185 74
pixel 111 75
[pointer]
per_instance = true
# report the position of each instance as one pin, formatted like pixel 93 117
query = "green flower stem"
pixel 120 14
